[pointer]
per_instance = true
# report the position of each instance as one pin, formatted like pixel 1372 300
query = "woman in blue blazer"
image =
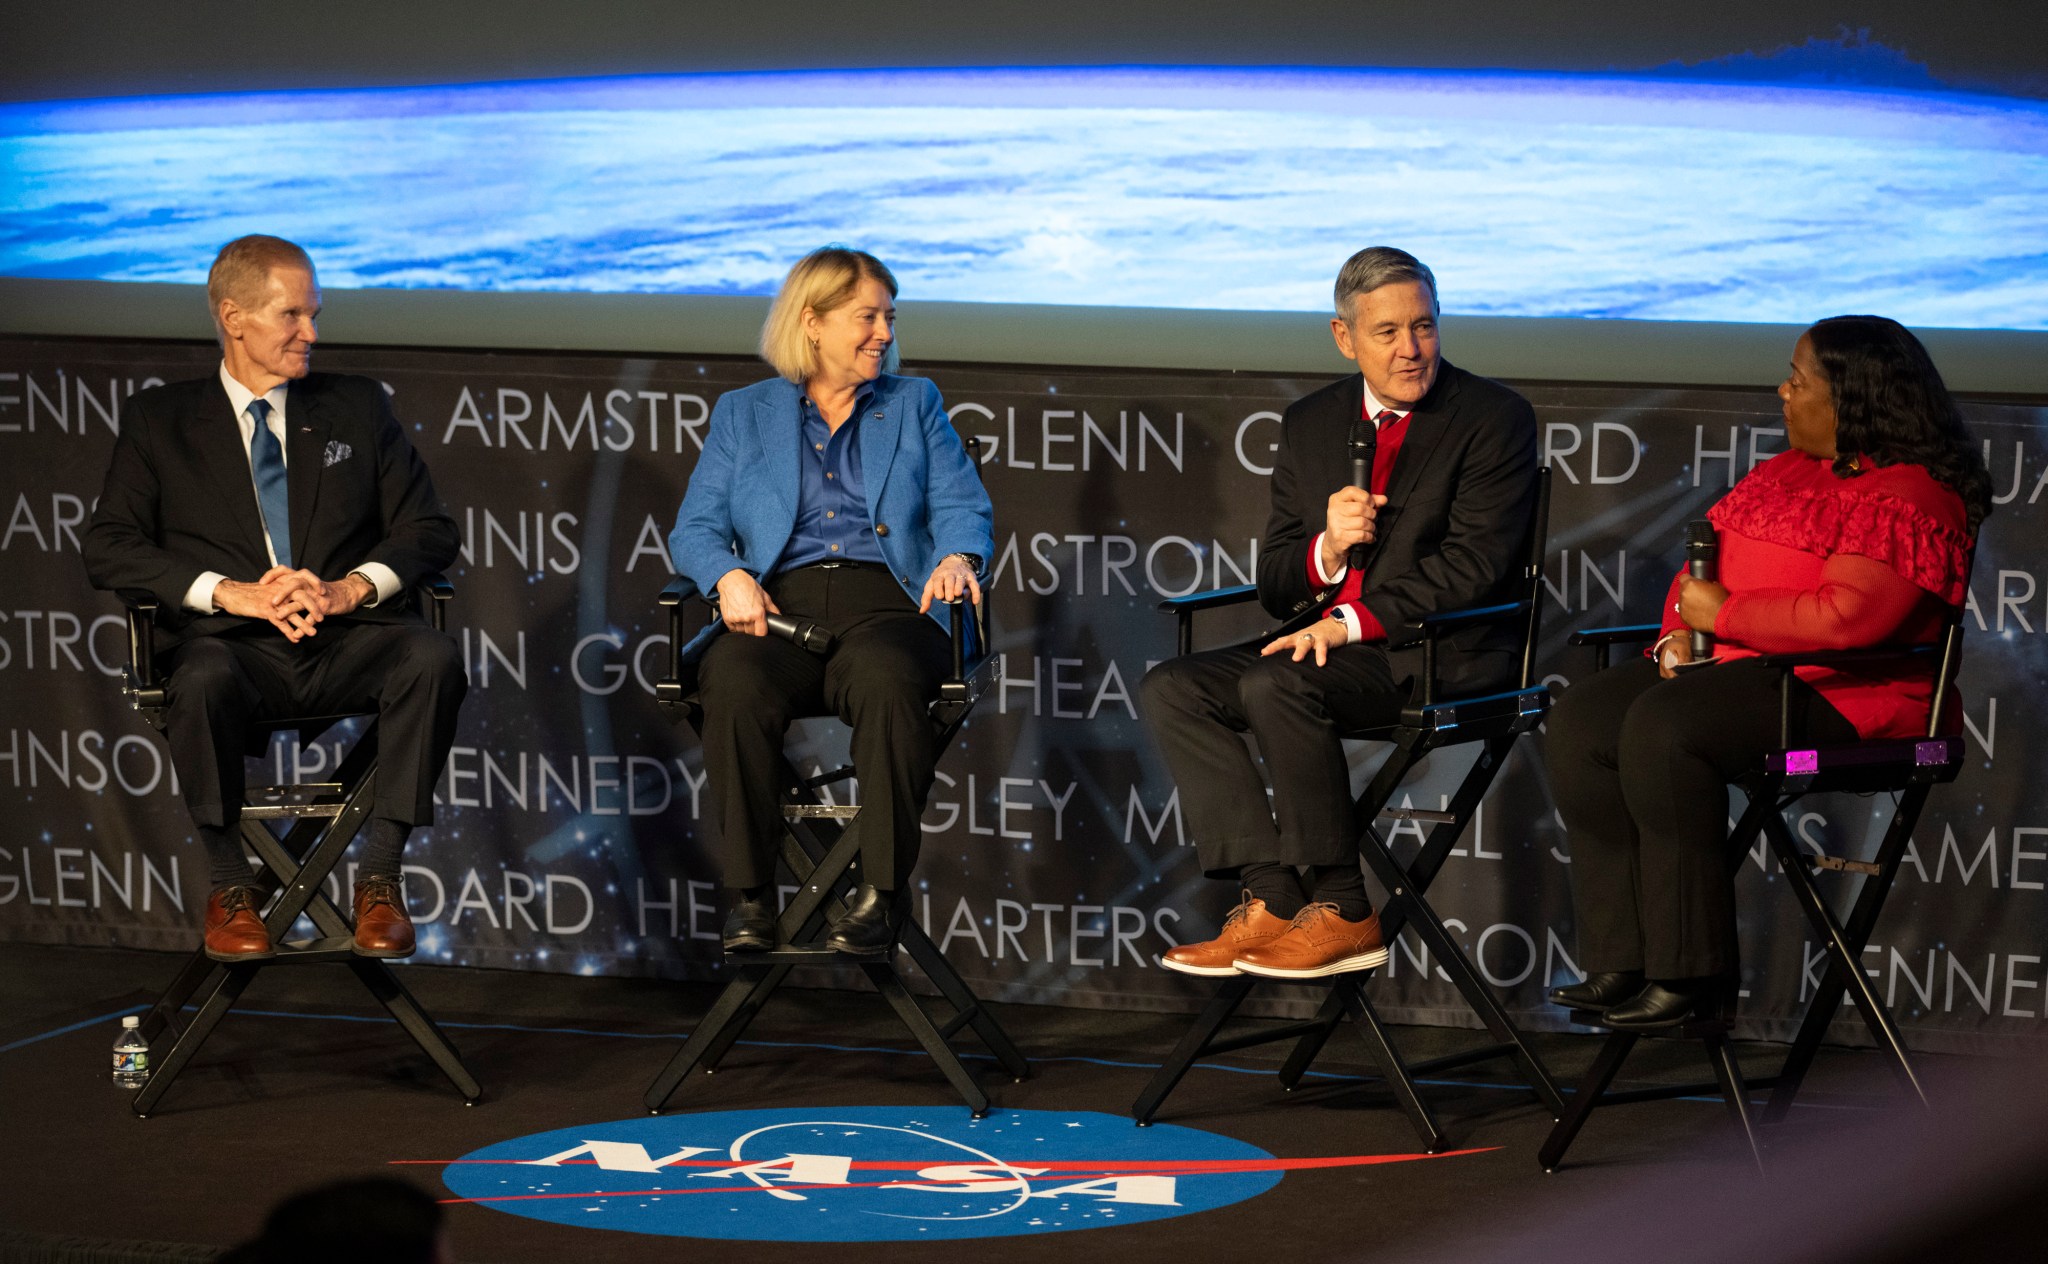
pixel 836 492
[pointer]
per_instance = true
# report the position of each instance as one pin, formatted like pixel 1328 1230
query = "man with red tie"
pixel 1352 572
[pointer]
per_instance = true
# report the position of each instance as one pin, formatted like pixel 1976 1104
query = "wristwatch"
pixel 973 560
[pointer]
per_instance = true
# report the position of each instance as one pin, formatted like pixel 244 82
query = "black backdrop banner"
pixel 573 833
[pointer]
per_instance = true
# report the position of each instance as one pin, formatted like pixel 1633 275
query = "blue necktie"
pixel 266 458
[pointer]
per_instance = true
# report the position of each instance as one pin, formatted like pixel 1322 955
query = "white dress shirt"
pixel 382 579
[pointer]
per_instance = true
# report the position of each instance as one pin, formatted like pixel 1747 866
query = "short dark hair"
pixel 1892 407
pixel 1374 267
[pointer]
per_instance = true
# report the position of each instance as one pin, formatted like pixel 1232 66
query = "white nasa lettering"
pixel 795 1169
pixel 618 1156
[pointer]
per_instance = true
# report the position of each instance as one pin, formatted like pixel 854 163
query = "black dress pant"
pixel 1197 705
pixel 1640 768
pixel 407 674
pixel 881 676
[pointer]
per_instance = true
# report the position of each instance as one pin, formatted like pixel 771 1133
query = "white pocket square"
pixel 337 452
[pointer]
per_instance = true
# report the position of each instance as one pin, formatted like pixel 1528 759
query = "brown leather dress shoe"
pixel 1248 926
pixel 234 925
pixel 1317 943
pixel 383 927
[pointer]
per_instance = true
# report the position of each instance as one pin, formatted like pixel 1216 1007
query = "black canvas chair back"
pixel 1430 723
pixel 1907 769
pixel 821 852
pixel 324 817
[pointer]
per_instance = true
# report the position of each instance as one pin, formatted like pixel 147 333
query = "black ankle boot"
pixel 1600 991
pixel 868 927
pixel 1667 1004
pixel 750 927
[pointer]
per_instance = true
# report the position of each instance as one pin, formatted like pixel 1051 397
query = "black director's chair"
pixel 1429 724
pixel 325 817
pixel 821 850
pixel 1906 768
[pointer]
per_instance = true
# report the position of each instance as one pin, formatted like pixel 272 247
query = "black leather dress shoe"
pixel 1665 1005
pixel 750 927
pixel 868 927
pixel 1600 991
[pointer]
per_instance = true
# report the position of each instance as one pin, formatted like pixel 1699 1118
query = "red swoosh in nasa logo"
pixel 1066 1170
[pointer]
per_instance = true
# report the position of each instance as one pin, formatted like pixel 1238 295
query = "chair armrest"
pixel 1830 658
pixel 1437 624
pixel 1210 600
pixel 1619 634
pixel 441 592
pixel 141 607
pixel 1603 640
pixel 1183 610
pixel 677 591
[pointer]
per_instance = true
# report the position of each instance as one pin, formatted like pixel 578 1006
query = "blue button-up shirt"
pixel 832 521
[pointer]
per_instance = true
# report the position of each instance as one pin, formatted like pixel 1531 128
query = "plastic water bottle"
pixel 131 1054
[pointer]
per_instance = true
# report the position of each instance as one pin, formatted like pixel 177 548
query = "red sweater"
pixel 1815 561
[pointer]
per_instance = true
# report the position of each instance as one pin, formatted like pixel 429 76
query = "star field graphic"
pixel 573 833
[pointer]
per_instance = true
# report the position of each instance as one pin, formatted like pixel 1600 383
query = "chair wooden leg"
pixel 1192 1041
pixel 384 984
pixel 723 1011
pixel 1606 1065
pixel 920 1024
pixel 1734 1092
pixel 1381 1046
pixel 926 955
pixel 227 987
pixel 1329 1016
pixel 719 1042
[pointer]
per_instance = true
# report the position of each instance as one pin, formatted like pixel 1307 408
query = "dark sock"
pixel 226 864
pixel 1278 885
pixel 1343 886
pixel 382 848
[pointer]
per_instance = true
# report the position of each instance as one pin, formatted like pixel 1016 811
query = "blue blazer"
pixel 924 495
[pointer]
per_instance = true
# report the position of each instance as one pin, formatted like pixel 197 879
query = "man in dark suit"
pixel 281 520
pixel 1351 572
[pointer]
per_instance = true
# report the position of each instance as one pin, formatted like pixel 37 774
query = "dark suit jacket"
pixel 179 501
pixel 1454 530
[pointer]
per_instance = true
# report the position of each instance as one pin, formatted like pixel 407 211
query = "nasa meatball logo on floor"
pixel 864 1174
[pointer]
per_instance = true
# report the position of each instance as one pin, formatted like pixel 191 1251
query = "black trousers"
pixel 882 674
pixel 407 674
pixel 1197 705
pixel 1640 768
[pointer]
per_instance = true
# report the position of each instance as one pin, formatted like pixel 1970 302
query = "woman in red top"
pixel 1859 536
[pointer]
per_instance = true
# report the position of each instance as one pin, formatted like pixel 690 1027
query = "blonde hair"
pixel 822 281
pixel 242 268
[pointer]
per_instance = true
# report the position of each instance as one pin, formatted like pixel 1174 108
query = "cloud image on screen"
pixel 1670 197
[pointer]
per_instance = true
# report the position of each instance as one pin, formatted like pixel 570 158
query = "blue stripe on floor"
pixel 817 1045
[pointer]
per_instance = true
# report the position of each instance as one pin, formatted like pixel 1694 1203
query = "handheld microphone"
pixel 802 633
pixel 1702 551
pixel 1365 438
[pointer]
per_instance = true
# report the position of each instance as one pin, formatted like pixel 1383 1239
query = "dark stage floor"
pixel 306 1082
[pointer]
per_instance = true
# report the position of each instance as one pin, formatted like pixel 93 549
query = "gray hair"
pixel 1374 267
pixel 243 268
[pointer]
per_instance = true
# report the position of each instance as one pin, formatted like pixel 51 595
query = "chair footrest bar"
pixel 1420 814
pixel 952 1026
pixel 1664 1092
pixel 295 790
pixel 1486 1053
pixel 1252 1040
pixel 793 954
pixel 830 811
pixel 290 811
pixel 304 952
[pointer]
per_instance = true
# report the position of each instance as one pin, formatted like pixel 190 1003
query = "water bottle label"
pixel 131 1061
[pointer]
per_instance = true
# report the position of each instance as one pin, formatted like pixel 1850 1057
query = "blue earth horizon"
pixel 1606 196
